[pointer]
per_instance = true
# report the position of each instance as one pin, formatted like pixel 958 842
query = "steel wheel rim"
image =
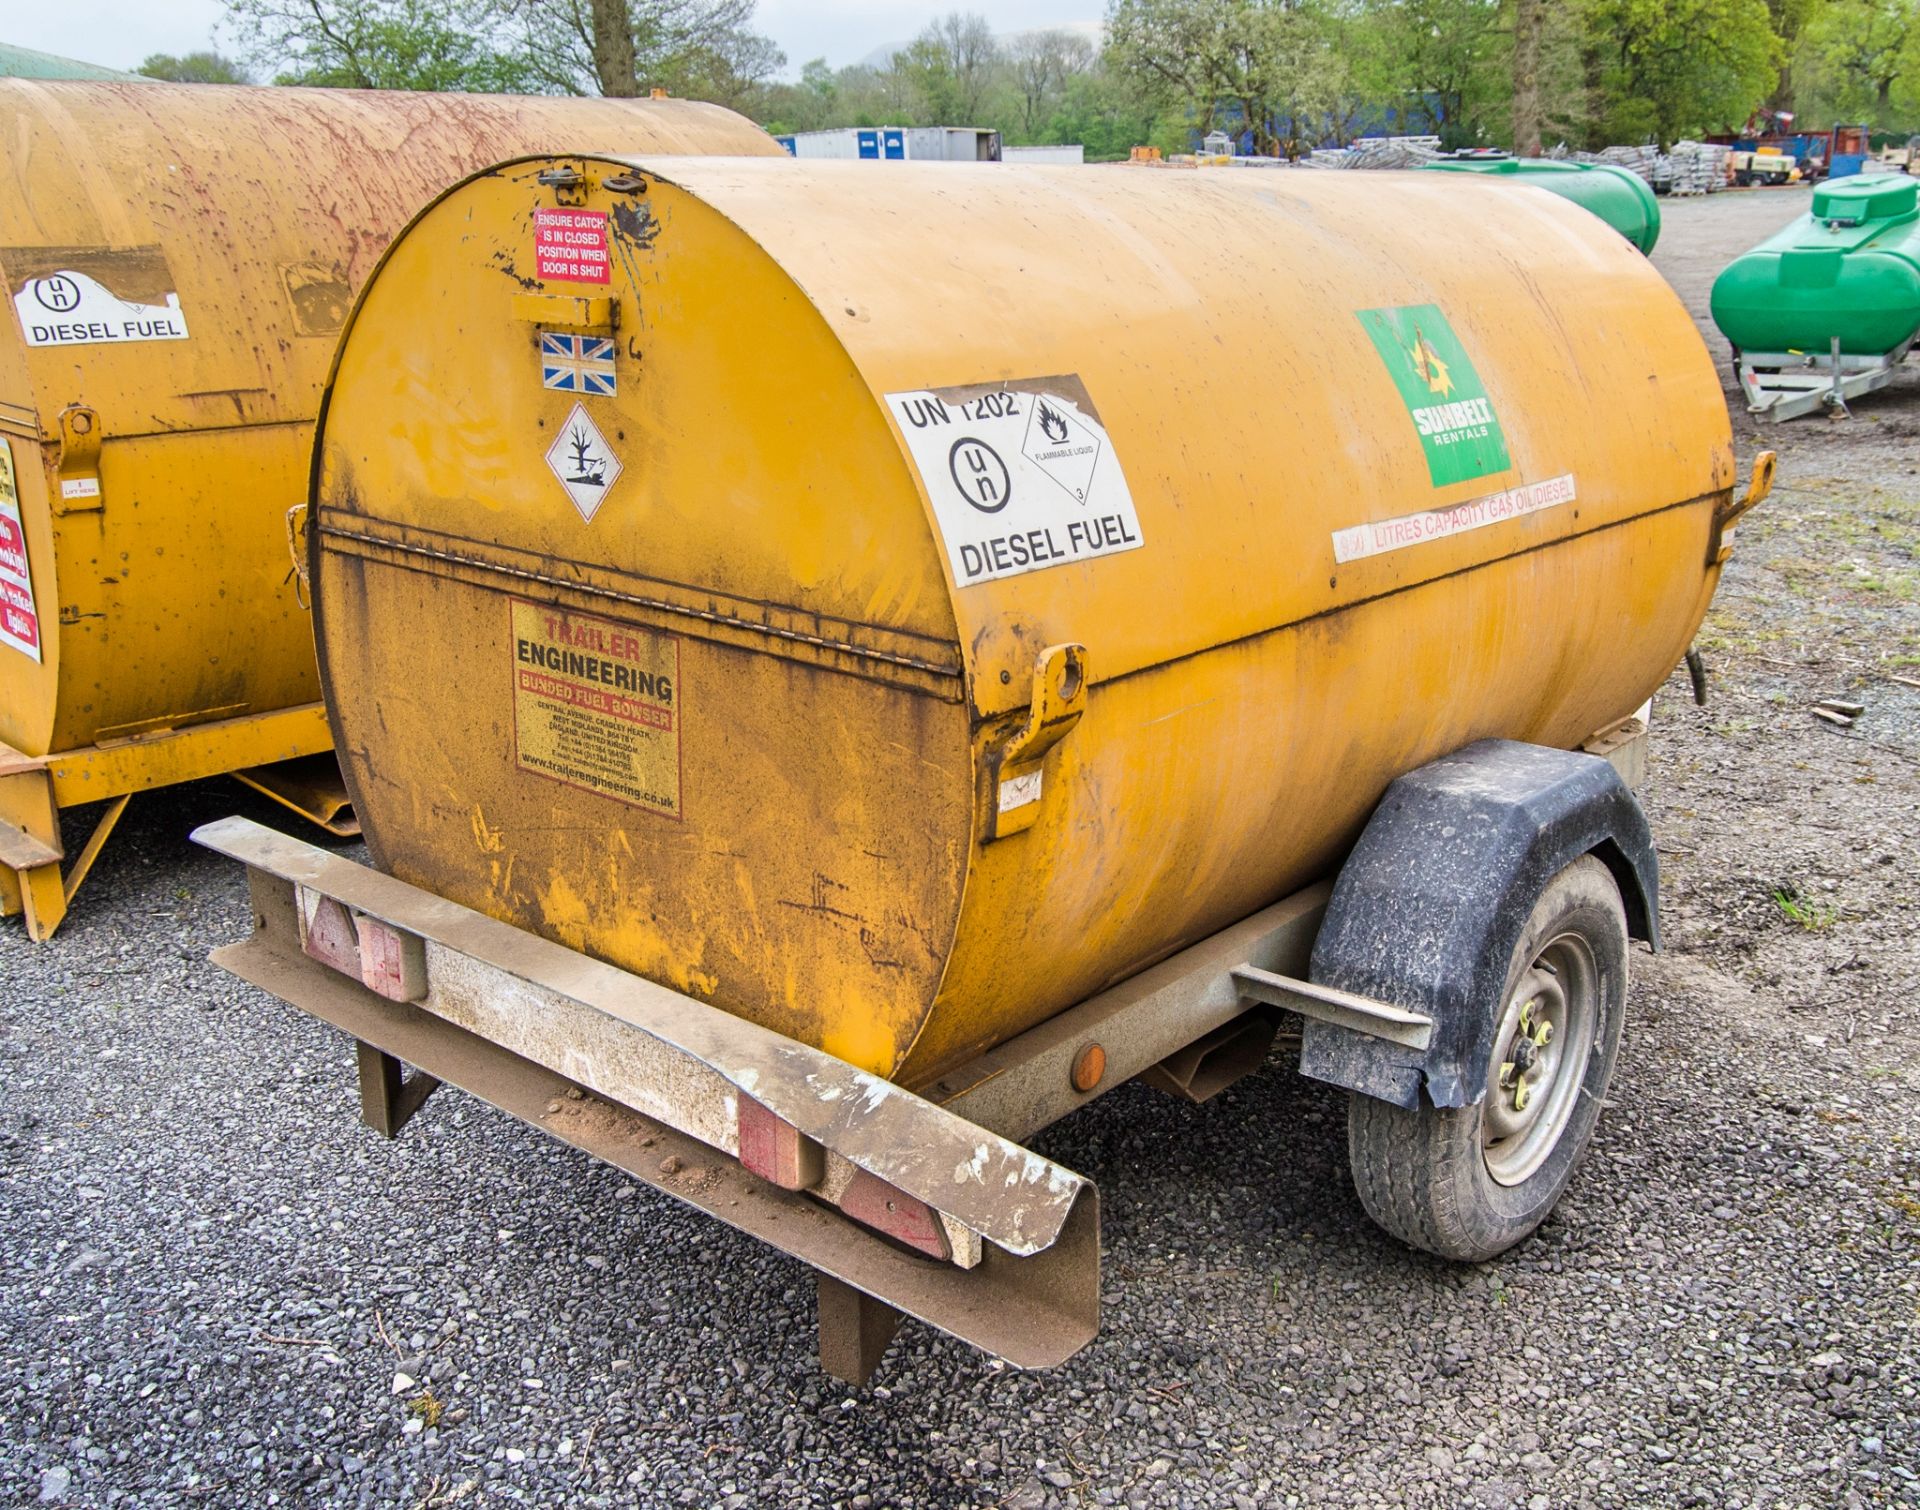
pixel 1541 1047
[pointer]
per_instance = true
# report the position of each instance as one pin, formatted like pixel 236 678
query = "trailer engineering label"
pixel 596 705
pixel 1358 541
pixel 19 623
pixel 1022 475
pixel 1450 410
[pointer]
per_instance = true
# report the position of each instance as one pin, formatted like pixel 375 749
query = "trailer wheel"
pixel 1470 1182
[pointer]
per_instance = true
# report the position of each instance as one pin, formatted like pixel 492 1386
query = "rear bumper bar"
pixel 874 1186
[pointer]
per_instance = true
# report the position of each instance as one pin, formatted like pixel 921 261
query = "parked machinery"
pixel 988 634
pixel 1617 195
pixel 179 261
pixel 1825 310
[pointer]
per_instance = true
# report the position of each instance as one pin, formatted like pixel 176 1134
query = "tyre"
pixel 1469 1182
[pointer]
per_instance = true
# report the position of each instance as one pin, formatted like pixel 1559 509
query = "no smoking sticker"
pixel 1022 475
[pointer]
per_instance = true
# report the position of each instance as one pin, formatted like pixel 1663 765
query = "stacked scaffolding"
pixel 1698 167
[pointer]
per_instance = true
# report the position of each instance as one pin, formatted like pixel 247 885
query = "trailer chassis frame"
pixel 285 755
pixel 1799 382
pixel 922 1204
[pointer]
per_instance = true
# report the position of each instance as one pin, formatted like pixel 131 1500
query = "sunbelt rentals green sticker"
pixel 1449 407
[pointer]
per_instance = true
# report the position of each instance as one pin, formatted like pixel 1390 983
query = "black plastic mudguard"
pixel 1428 908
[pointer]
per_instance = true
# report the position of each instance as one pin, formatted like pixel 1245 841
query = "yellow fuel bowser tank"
pixel 932 596
pixel 178 262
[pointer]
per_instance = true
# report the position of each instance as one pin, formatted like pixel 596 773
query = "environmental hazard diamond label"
pixel 583 461
pixel 1451 412
pixel 596 704
pixel 1022 475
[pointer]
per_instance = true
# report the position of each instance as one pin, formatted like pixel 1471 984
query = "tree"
pixel 1041 65
pixel 949 68
pixel 1267 66
pixel 1789 20
pixel 731 70
pixel 1110 114
pixel 1529 28
pixel 1176 49
pixel 1440 64
pixel 1286 76
pixel 377 44
pixel 1864 56
pixel 876 97
pixel 1679 68
pixel 193 68
pixel 625 47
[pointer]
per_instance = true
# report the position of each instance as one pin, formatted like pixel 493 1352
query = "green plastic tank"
pixel 1619 197
pixel 1849 271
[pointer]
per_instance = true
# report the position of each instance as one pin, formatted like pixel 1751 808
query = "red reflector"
pixel 885 1208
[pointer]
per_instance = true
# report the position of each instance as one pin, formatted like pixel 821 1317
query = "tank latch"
pixel 78 461
pixel 1059 698
pixel 568 182
pixel 1759 484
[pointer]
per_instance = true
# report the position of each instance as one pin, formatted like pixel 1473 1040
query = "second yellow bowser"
pixel 178 261
pixel 952 590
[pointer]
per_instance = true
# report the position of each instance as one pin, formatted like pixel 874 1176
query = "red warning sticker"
pixel 19 622
pixel 571 245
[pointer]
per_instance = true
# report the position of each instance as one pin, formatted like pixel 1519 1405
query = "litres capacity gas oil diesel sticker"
pixel 93 296
pixel 1449 407
pixel 1358 541
pixel 19 623
pixel 1023 475
pixel 597 704
pixel 571 245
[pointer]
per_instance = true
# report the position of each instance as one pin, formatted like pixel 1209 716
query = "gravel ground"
pixel 211 1276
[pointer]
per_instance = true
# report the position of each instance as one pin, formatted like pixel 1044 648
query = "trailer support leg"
pixel 30 845
pixel 854 1330
pixel 388 1095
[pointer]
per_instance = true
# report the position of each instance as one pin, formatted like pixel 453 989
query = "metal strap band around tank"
pixel 366 543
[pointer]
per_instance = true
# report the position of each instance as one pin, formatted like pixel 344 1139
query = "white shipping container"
pixel 898 143
pixel 1076 154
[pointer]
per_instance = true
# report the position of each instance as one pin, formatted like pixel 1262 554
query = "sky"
pixel 121 33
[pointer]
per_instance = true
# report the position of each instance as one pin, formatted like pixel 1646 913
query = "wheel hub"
pixel 1541 1047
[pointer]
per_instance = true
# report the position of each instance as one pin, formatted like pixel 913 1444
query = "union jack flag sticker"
pixel 577 364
